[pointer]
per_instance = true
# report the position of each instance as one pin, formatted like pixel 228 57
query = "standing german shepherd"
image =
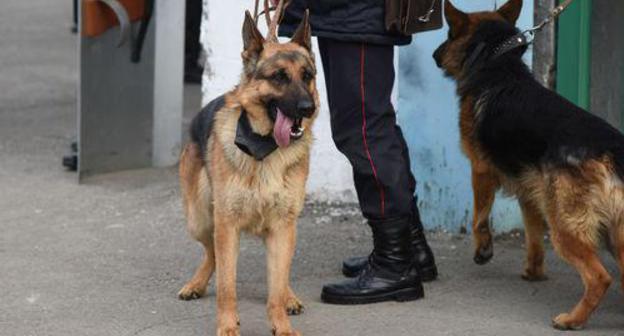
pixel 246 170
pixel 564 165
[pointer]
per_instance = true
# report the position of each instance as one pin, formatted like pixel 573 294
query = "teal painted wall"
pixel 574 53
pixel 428 114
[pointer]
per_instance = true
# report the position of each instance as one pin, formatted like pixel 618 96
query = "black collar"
pixel 253 144
pixel 514 42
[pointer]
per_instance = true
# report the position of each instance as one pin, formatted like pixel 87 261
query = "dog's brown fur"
pixel 579 208
pixel 227 191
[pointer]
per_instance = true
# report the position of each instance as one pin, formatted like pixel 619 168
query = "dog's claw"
pixel 295 310
pixel 274 332
pixel 564 322
pixel 228 332
pixel 484 254
pixel 534 277
pixel 188 294
pixel 294 307
pixel 189 297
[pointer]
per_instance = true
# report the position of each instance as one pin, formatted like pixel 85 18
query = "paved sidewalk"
pixel 107 258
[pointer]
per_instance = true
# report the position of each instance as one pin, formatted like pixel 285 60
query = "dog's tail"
pixel 191 163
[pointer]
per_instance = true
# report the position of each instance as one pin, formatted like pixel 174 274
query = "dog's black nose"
pixel 305 108
pixel 437 58
pixel 437 55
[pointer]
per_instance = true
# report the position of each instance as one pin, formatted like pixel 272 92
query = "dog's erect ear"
pixel 303 35
pixel 253 41
pixel 511 11
pixel 457 20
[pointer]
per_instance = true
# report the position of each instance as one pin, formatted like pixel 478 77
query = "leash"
pixel 527 37
pixel 268 9
pixel 263 12
pixel 550 18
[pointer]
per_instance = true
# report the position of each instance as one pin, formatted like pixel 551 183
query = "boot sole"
pixel 401 295
pixel 426 275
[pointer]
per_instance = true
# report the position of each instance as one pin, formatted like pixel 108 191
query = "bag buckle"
pixel 427 17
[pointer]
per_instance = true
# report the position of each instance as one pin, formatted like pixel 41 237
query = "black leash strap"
pixel 147 17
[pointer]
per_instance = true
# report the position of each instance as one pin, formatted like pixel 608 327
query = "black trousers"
pixel 359 79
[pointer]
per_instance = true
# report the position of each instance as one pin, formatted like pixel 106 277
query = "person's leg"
pixel 422 252
pixel 349 102
pixel 423 255
pixel 359 79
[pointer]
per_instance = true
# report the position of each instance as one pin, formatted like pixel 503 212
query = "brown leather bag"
pixel 408 17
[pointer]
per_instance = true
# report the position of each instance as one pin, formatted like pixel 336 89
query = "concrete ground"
pixel 108 257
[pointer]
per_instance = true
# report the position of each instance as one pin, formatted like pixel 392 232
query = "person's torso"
pixel 348 20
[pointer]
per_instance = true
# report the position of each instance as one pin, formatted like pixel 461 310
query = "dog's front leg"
pixel 484 186
pixel 280 243
pixel 227 238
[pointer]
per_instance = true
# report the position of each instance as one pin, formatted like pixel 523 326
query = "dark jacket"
pixel 344 20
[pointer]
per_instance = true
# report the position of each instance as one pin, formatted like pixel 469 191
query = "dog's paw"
pixel 228 331
pixel 291 332
pixel 484 253
pixel 566 322
pixel 190 292
pixel 534 276
pixel 294 306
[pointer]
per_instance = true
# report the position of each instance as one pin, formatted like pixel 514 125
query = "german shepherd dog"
pixel 564 165
pixel 231 186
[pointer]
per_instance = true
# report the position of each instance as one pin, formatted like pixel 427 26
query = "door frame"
pixel 574 53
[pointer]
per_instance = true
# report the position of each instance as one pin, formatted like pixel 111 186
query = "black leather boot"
pixel 423 256
pixel 389 274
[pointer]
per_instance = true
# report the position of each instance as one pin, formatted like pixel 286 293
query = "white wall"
pixel 168 85
pixel 330 176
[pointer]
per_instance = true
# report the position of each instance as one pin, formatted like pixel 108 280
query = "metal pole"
pixel 544 47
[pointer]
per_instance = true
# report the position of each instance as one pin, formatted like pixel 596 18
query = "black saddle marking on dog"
pixel 522 124
pixel 201 126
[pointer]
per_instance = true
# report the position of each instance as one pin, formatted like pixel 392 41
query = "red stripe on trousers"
pixel 368 154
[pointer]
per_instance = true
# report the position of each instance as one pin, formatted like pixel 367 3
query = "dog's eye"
pixel 280 77
pixel 307 76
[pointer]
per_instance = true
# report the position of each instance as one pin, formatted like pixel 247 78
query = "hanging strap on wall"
pixel 147 17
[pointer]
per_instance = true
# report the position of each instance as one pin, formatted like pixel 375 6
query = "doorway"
pixel 590 58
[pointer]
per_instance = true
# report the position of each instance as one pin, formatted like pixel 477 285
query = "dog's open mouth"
pixel 297 129
pixel 287 129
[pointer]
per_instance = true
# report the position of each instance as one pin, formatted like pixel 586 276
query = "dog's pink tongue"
pixel 281 130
